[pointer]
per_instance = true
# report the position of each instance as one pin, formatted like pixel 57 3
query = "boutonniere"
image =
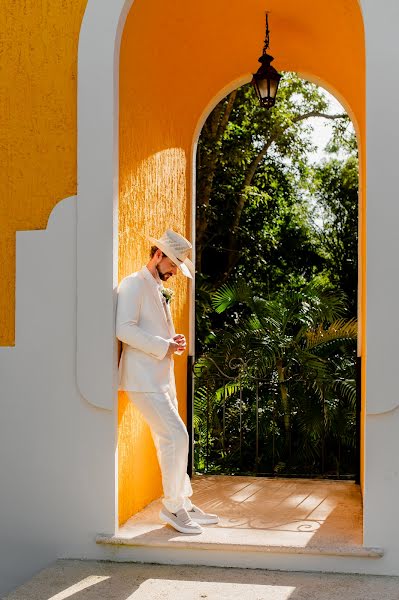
pixel 167 294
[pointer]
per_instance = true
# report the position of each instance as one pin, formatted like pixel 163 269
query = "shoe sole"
pixel 165 519
pixel 205 521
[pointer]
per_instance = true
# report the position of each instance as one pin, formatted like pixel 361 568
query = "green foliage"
pixel 276 290
pixel 250 159
pixel 293 352
pixel 254 180
pixel 335 189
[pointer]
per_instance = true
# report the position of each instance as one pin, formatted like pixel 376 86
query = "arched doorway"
pixel 250 245
pixel 174 67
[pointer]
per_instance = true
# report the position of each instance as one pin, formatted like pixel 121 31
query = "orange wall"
pixel 37 125
pixel 175 58
pixel 152 197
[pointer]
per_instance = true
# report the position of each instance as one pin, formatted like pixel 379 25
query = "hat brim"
pixel 185 266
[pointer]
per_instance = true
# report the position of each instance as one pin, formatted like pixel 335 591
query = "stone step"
pixel 231 539
pixel 230 547
pixel 303 525
pixel 350 551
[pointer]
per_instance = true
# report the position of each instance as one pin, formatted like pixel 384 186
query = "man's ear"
pixel 159 255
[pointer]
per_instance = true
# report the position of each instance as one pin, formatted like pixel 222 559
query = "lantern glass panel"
pixel 273 88
pixel 263 88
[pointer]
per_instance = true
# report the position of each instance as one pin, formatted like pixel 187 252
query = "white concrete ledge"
pixel 233 540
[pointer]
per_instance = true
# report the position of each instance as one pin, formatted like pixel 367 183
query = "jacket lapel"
pixel 157 299
pixel 171 326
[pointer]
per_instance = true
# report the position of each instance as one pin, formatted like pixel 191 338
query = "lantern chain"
pixel 267 40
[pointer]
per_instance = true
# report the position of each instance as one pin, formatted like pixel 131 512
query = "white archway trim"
pixel 97 205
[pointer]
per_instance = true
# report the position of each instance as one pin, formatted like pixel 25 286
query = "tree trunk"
pixel 208 162
pixel 285 404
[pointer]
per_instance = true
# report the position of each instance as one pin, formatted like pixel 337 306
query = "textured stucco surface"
pixel 38 75
pixel 153 196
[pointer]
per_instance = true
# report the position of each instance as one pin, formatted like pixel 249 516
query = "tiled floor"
pixel 328 509
pixel 293 514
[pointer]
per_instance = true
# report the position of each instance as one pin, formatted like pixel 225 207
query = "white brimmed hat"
pixel 176 247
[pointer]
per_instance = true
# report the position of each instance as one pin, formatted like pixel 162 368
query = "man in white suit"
pixel 145 327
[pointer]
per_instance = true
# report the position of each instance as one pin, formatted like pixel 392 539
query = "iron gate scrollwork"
pixel 238 428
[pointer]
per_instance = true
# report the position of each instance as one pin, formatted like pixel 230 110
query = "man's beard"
pixel 163 276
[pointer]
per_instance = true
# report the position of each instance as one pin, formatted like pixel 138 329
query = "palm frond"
pixel 339 330
pixel 346 389
pixel 229 294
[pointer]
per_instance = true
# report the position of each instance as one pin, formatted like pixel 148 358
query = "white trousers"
pixel 171 442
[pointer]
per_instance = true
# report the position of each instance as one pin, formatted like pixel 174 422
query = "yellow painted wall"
pixel 152 197
pixel 175 58
pixel 38 75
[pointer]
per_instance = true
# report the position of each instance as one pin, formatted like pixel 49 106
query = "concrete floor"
pixel 89 580
pixel 292 514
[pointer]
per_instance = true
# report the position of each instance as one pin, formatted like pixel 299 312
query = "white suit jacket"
pixel 144 330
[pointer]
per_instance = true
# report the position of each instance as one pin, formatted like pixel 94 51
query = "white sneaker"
pixel 180 521
pixel 199 516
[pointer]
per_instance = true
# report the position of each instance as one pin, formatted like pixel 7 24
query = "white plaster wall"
pixel 57 451
pixel 98 194
pixel 382 59
pixel 381 498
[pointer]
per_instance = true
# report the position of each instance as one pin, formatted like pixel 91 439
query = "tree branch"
pixel 255 164
pixel 208 167
pixel 258 159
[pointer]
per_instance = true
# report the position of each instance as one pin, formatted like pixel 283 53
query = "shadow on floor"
pixel 84 580
pixel 291 512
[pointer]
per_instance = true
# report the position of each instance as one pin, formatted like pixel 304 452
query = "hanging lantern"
pixel 266 79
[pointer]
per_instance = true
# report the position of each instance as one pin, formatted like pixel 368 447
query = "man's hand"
pixel 181 340
pixel 173 347
pixel 177 345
